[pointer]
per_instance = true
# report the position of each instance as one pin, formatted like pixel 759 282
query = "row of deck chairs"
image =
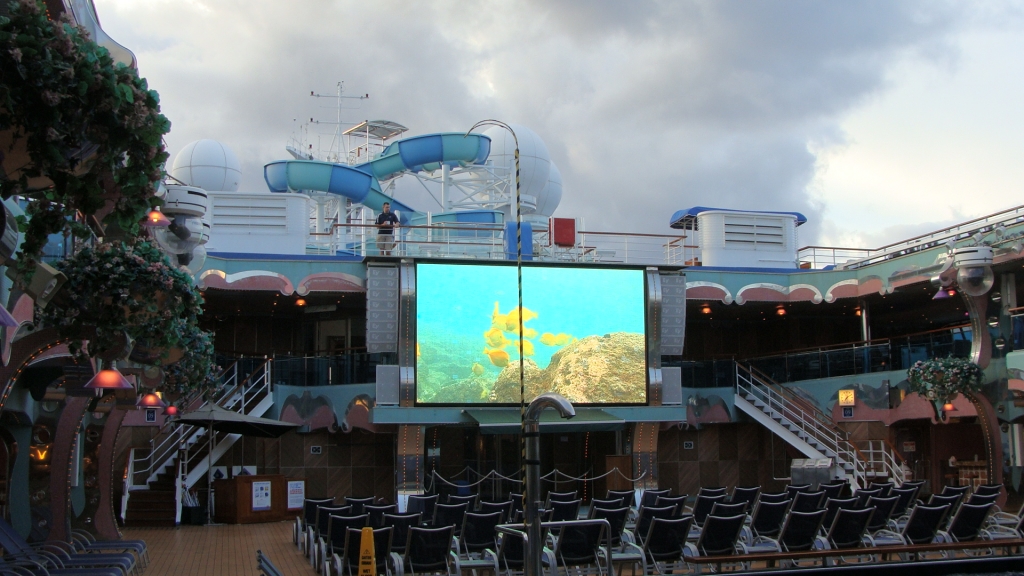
pixel 80 555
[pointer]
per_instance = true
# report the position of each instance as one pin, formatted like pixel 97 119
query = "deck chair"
pixel 865 493
pixel 646 515
pixel 401 524
pixel 906 498
pixel 608 503
pixel 678 501
pixel 773 497
pixel 579 548
pixel 921 528
pixel 1002 532
pixel 61 553
pixel 832 508
pixel 702 507
pixel 720 537
pixel 714 491
pixel 265 566
pixel 797 535
pixel 989 489
pixel 422 505
pixel 509 559
pixel 793 489
pixel 504 507
pixel 470 499
pixel 560 497
pixel 377 513
pixel 649 497
pixel 321 528
pixel 449 515
pixel 347 563
pixel 478 534
pixel 746 495
pixel 885 487
pixel 966 525
pixel 723 509
pixel 517 503
pixel 834 491
pixel 358 503
pixel 883 512
pixel 623 549
pixel 951 490
pixel 767 519
pixel 52 567
pixel 337 532
pixel 663 545
pixel 428 550
pixel 849 530
pixel 628 496
pixel 808 501
pixel 563 511
pixel 83 541
pixel 308 518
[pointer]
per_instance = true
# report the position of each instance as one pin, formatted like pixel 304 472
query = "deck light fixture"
pixel 150 400
pixel 705 309
pixel 156 219
pixel 300 302
pixel 171 410
pixel 108 379
pixel 948 407
pixel 780 310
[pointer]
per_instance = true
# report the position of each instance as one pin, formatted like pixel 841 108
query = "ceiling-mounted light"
pixel 780 310
pixel 171 410
pixel 108 379
pixel 300 302
pixel 948 407
pixel 705 309
pixel 857 311
pixel 150 400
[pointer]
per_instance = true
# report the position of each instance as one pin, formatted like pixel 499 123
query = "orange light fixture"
pixel 300 302
pixel 171 410
pixel 156 219
pixel 108 379
pixel 150 401
pixel 780 310
pixel 948 407
pixel 857 311
pixel 705 309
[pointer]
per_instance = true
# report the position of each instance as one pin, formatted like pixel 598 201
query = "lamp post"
pixel 531 437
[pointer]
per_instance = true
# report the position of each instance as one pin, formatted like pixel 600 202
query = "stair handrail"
pixel 883 454
pixel 806 421
pixel 165 445
pixel 817 413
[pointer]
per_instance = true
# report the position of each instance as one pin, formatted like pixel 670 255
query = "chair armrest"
pixel 690 549
pixel 398 564
pixel 943 536
pixel 821 543
pixel 455 559
pixel 336 562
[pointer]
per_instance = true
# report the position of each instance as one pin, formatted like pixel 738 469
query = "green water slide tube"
pixel 361 183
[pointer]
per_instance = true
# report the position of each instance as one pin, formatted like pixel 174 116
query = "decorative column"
pixel 409 462
pixel 60 464
pixel 105 521
pixel 643 442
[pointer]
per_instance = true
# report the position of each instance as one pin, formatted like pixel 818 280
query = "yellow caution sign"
pixel 367 562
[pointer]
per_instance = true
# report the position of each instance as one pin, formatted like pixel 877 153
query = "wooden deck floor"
pixel 220 550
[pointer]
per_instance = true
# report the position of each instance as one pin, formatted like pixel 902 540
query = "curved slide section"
pixel 361 183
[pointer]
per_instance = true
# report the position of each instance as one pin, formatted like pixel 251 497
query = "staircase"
pixel 805 427
pixel 178 457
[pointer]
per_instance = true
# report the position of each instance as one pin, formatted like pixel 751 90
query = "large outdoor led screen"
pixel 583 334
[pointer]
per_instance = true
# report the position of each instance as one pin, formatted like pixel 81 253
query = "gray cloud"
pixel 647 107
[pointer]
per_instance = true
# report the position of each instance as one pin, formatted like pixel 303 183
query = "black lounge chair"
pixel 723 509
pixel 797 534
pixel 428 550
pixel 951 490
pixel 302 536
pixel 773 497
pixel 83 541
pixel 265 566
pixel 996 531
pixel 982 499
pixel 767 519
pixel 421 504
pixel 834 490
pixel 664 543
pixel 377 513
pixel 60 554
pixel 793 489
pixel 906 498
pixel 966 525
pixel 921 528
pixel 517 503
pixel 470 499
pixel 863 494
pixel 702 507
pixel 719 537
pixel 560 497
pixel 358 503
pixel 401 524
pixel 609 503
pixel 52 567
pixel 649 497
pixel 347 563
pixel 509 559
pixel 450 515
pixel 883 512
pixel 808 501
pixel 646 515
pixel 563 511
pixel 989 489
pixel 504 507
pixel 337 532
pixel 628 496
pixel 616 518
pixel 580 549
pixel 885 487
pixel 833 506
pixel 746 495
pixel 678 501
pixel 714 491
pixel 478 534
pixel 321 528
pixel 848 531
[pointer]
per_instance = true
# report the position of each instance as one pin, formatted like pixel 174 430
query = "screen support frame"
pixel 407 333
pixel 653 313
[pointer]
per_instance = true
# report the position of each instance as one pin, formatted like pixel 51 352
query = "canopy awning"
pixel 507 421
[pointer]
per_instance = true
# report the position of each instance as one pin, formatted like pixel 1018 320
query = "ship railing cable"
pixel 552 477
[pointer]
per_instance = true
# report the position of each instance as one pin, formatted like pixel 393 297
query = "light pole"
pixel 531 437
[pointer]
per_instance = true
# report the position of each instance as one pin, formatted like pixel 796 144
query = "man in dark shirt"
pixel 386 222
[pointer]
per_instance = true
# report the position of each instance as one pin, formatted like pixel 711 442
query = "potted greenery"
pixel 80 135
pixel 119 288
pixel 196 369
pixel 941 379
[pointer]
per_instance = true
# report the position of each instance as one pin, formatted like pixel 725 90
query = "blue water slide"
pixel 361 183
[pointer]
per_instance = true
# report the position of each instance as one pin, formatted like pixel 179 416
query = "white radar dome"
pixel 550 197
pixel 534 160
pixel 208 164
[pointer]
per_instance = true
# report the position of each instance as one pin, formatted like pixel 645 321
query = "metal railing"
pixel 882 459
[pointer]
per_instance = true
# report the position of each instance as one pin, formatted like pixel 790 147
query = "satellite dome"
pixel 208 164
pixel 534 160
pixel 550 197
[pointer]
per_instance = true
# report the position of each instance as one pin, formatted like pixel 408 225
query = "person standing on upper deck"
pixel 386 223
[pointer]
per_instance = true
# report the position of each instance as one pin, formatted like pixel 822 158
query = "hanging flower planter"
pixel 941 379
pixel 78 132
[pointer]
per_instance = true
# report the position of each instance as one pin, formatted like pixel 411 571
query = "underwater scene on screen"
pixel 583 334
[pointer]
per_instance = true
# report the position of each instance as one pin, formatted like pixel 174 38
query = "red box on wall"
pixel 563 231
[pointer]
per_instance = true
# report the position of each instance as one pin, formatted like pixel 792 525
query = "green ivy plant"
pixel 196 369
pixel 940 379
pixel 91 126
pixel 118 288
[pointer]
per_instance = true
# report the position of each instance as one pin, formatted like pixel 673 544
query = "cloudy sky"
pixel 877 119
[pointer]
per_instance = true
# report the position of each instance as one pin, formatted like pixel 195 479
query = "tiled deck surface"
pixel 220 550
